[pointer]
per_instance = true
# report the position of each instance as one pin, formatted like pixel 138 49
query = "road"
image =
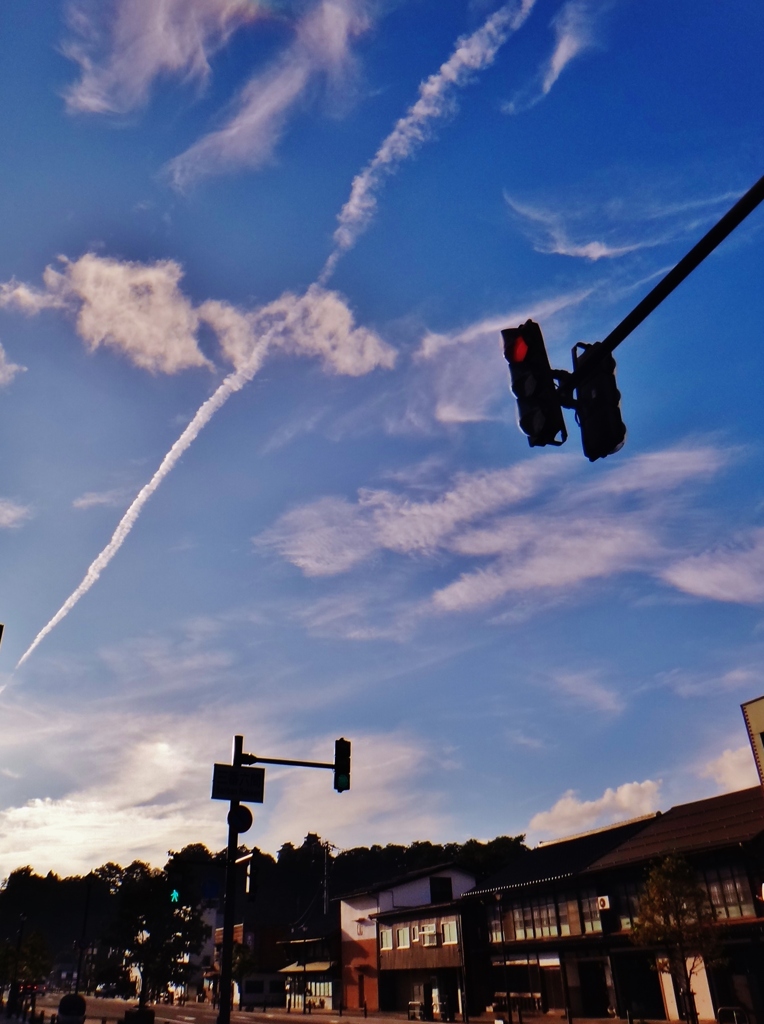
pixel 203 1013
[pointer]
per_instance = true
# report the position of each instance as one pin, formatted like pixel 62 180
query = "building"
pixel 313 973
pixel 558 919
pixel 362 928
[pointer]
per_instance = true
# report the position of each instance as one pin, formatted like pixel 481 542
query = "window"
pixel 441 890
pixel 402 937
pixel 532 918
pixel 590 912
pixel 385 938
pixel 359 929
pixel 627 904
pixel 428 935
pixel 415 933
pixel 449 933
pixel 729 891
pixel 494 924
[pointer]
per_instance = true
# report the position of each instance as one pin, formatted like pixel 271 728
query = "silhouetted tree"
pixel 153 934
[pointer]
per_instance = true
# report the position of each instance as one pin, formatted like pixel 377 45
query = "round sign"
pixel 240 818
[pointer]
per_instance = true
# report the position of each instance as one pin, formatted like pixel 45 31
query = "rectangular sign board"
pixel 232 783
pixel 753 713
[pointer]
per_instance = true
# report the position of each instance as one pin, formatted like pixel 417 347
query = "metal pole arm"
pixel 254 759
pixel 745 205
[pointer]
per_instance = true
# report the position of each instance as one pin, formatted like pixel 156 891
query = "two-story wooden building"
pixel 365 926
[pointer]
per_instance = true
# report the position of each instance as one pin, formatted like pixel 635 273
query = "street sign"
pixel 230 782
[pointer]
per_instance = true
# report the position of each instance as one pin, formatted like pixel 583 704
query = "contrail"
pixel 233 382
pixel 471 54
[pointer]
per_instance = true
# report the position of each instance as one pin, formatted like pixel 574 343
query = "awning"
pixel 316 967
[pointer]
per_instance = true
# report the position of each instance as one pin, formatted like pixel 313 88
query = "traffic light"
pixel 598 401
pixel 175 887
pixel 533 385
pixel 342 765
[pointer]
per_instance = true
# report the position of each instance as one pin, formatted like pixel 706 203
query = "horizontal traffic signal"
pixel 538 403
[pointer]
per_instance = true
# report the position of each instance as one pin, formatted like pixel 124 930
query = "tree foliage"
pixel 151 933
pixel 676 916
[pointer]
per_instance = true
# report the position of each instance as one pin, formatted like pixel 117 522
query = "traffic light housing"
pixel 533 385
pixel 598 401
pixel 342 765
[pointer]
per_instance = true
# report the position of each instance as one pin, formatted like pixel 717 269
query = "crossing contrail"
pixel 233 382
pixel 471 54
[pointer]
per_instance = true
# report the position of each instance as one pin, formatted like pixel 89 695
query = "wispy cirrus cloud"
pixel 522 530
pixel 575 33
pixel 249 136
pixel 553 237
pixel 124 47
pixel 732 573
pixel 471 54
pixel 102 499
pixel 570 814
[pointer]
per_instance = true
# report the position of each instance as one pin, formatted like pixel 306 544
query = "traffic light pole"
pixel 229 908
pixel 230 782
pixel 732 219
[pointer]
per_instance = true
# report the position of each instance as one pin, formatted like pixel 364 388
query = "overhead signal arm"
pixel 591 389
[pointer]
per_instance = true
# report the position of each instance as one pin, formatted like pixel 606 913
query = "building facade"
pixel 360 923
pixel 559 920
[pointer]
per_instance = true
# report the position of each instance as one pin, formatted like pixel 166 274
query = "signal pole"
pixel 240 785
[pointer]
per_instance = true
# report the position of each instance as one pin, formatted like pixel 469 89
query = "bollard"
pixel 365 1010
pixel 340 1007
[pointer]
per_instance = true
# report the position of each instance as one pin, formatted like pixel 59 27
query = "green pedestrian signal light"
pixel 174 896
pixel 342 765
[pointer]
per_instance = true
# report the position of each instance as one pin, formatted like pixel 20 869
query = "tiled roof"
pixel 412 876
pixel 702 825
pixel 562 859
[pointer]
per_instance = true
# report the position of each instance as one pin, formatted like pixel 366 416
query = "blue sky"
pixel 261 471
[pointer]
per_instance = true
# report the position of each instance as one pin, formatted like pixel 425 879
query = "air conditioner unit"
pixel 603 903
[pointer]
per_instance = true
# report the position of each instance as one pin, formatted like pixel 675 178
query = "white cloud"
pixel 93 499
pixel 570 814
pixel 8 370
pixel 624 522
pixel 487 330
pixel 12 514
pixel 732 770
pixel 123 47
pixel 135 308
pixel 322 46
pixel 471 54
pixel 734 573
pixel 554 238
pixel 586 689
pixel 388 801
pixel 574 30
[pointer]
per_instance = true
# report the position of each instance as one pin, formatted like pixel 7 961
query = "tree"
pixel 153 934
pixel 676 916
pixel 244 964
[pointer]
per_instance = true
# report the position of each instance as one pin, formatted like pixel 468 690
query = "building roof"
pixel 717 822
pixel 412 876
pixel 562 859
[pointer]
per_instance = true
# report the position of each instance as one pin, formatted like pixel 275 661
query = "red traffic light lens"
pixel 519 349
